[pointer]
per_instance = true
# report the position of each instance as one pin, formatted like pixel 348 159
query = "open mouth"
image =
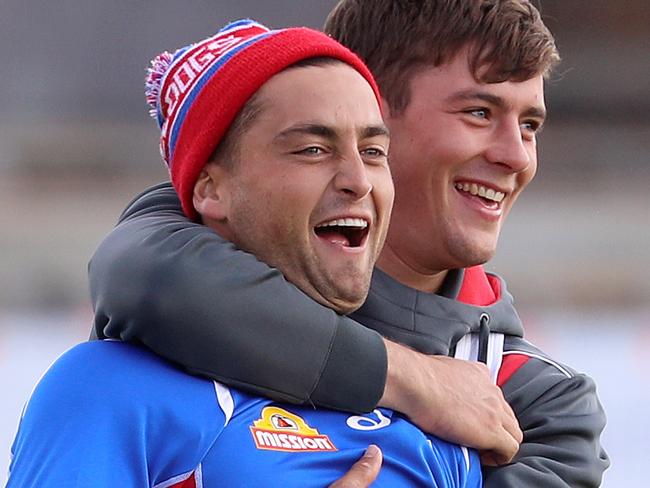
pixel 490 197
pixel 349 232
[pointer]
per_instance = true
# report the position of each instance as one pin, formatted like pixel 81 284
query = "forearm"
pixel 407 378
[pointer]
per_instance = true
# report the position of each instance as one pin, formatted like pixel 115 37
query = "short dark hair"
pixel 507 39
pixel 227 152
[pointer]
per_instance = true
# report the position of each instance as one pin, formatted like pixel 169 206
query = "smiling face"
pixel 310 192
pixel 461 153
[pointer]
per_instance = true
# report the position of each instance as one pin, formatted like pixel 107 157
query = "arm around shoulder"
pixel 187 294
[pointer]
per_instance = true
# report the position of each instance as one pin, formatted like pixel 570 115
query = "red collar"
pixel 479 288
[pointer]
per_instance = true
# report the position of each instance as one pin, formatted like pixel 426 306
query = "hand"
pixel 363 472
pixel 454 400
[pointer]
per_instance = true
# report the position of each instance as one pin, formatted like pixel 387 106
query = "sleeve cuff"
pixel 354 375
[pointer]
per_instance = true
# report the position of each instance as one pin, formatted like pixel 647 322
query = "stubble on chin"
pixel 344 290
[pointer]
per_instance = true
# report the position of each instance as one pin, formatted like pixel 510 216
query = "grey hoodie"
pixel 221 313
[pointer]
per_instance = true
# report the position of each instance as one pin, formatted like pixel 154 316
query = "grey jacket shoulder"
pixel 557 408
pixel 221 313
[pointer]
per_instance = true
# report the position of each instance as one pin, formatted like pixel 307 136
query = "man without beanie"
pixel 463 84
pixel 268 135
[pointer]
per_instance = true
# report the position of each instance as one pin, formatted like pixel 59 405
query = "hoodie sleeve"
pixel 562 419
pixel 187 294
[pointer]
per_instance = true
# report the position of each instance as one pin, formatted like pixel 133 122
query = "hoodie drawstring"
pixel 483 338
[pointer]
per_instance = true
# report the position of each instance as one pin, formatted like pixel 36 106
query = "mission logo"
pixel 279 430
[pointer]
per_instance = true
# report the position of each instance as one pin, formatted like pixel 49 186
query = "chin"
pixel 470 254
pixel 342 300
pixel 344 291
pixel 349 299
pixel 347 304
pixel 346 310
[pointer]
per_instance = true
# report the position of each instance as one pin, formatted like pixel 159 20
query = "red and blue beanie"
pixel 197 92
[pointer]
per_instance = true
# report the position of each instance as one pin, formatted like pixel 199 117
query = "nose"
pixel 352 177
pixel 508 148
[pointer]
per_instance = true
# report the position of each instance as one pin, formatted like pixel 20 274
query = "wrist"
pixel 403 378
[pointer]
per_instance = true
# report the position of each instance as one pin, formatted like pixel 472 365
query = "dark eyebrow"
pixel 330 133
pixel 310 129
pixel 535 112
pixel 496 100
pixel 375 130
pixel 472 94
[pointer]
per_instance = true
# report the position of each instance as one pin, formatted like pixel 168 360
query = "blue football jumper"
pixel 110 414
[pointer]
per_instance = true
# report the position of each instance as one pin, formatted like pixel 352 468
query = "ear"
pixel 211 196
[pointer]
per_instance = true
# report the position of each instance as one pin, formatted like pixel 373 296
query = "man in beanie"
pixel 463 85
pixel 274 139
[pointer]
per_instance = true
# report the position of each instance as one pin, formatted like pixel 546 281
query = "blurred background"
pixel 76 145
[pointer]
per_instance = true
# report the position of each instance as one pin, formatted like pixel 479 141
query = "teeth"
pixel 481 191
pixel 345 223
